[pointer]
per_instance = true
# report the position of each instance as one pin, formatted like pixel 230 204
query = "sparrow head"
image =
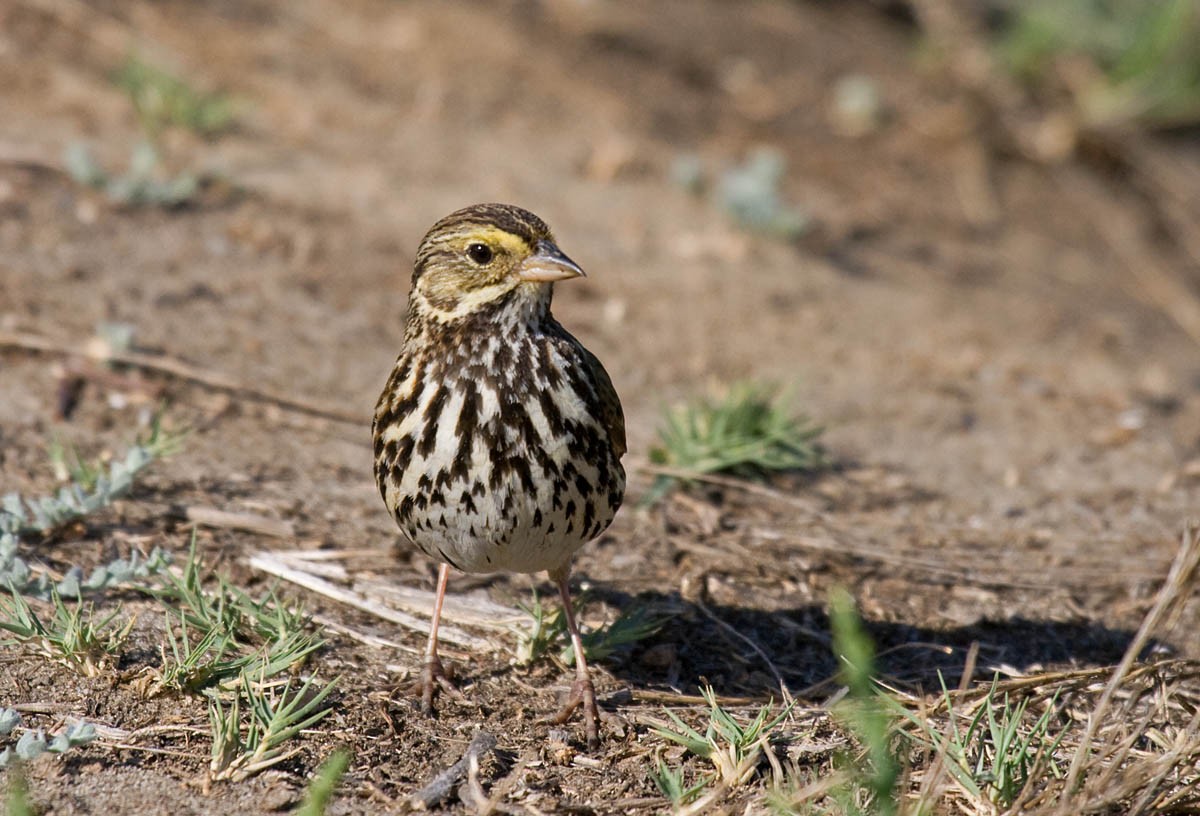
pixel 485 256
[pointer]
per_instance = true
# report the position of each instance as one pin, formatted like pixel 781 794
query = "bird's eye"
pixel 480 253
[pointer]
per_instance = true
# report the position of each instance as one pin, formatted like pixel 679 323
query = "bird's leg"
pixel 432 670
pixel 582 691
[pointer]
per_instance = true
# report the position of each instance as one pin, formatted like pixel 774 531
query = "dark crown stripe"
pixel 513 220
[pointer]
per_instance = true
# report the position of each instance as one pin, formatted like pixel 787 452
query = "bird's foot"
pixel 583 693
pixel 434 674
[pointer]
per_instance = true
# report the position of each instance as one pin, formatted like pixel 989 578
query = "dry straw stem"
pixel 230 520
pixel 1084 795
pixel 272 564
pixel 170 366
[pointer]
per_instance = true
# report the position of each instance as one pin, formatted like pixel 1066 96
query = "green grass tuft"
pixel 876 773
pixel 748 433
pixel 548 630
pixel 996 753
pixel 162 100
pixel 324 784
pixel 72 635
pixel 218 635
pixel 734 748
pixel 671 784
pixel 247 743
pixel 1144 56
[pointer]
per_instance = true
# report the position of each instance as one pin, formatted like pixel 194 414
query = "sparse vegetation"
pixel 73 634
pixel 874 773
pixel 19 516
pixel 749 432
pixel 734 748
pixel 324 784
pixel 162 100
pixel 1122 61
pixel 233 649
pixel 547 631
pixel 246 743
pixel 671 784
pixel 222 636
pixel 18 575
pixel 750 194
pixel 219 641
pixel 996 752
pixel 34 743
pixel 143 182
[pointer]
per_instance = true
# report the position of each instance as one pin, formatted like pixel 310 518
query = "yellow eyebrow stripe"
pixel 498 238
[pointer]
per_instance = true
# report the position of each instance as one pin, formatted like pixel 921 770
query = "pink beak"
pixel 548 265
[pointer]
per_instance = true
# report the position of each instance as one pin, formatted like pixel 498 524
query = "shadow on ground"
pixel 712 645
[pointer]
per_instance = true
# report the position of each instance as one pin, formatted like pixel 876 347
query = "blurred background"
pixel 965 227
pixel 961 236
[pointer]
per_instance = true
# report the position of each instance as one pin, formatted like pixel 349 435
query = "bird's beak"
pixel 548 265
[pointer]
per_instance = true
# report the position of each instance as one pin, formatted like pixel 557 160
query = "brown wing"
pixel 611 413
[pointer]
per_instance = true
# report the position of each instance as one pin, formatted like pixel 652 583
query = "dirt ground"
pixel 1014 418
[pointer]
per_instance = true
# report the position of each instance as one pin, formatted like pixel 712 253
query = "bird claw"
pixel 583 693
pixel 434 673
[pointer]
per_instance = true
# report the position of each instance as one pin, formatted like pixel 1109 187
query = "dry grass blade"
pixel 250 522
pixel 1170 599
pixel 932 789
pixel 272 564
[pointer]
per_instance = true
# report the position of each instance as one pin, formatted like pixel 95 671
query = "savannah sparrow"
pixel 498 436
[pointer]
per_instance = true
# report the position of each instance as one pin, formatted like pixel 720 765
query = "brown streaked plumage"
pixel 498 436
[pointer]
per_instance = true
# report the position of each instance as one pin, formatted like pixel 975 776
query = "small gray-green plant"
pixel 749 432
pixel 877 771
pixel 34 742
pixel 548 629
pixel 20 516
pixel 164 100
pixel 143 182
pixel 750 193
pixel 17 574
pixel 324 784
pixel 72 635
pixel 10 718
pixel 734 748
pixel 245 744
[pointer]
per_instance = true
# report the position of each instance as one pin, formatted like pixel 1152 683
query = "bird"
pixel 498 437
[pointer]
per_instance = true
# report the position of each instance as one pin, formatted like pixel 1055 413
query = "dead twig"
pixel 173 367
pixel 783 689
pixel 723 481
pixel 250 522
pixel 442 785
pixel 671 698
